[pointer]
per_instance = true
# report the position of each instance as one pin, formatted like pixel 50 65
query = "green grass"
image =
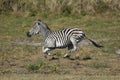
pixel 27 62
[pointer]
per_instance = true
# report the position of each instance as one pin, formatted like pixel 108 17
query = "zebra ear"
pixel 38 20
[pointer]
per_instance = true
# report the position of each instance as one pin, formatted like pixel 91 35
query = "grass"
pixel 63 7
pixel 27 61
pixel 56 77
pixel 100 65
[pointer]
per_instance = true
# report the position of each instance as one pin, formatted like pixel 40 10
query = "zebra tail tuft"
pixel 94 43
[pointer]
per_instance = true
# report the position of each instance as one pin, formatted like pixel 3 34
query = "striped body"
pixel 61 38
pixel 69 37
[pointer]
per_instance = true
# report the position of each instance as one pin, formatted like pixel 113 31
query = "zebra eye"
pixel 38 23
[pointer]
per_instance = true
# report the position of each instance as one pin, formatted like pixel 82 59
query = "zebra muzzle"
pixel 28 34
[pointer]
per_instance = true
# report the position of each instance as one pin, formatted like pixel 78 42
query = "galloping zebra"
pixel 68 37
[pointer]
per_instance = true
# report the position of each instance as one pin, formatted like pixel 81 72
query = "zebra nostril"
pixel 28 34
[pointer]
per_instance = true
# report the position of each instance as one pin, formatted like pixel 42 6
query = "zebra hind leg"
pixel 72 47
pixel 75 43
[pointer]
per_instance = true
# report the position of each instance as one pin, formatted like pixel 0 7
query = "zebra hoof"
pixel 49 54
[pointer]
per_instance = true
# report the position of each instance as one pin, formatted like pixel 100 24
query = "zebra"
pixel 64 38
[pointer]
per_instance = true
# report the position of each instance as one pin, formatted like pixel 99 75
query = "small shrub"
pixel 35 66
pixel 83 13
pixel 66 10
pixel 87 57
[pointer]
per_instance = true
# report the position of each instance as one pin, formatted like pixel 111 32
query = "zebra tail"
pixel 94 43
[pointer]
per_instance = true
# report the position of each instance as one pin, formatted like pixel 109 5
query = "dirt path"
pixel 36 43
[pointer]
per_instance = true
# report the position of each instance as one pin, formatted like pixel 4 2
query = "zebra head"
pixel 35 28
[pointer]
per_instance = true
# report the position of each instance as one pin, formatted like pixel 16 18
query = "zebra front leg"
pixel 45 51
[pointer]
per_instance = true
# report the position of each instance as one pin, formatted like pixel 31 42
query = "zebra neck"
pixel 45 34
pixel 45 31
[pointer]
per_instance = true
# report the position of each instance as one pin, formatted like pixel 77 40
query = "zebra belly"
pixel 61 44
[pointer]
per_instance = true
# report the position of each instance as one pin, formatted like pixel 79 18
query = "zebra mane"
pixel 45 25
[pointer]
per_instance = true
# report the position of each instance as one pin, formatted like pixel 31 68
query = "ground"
pixel 21 57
